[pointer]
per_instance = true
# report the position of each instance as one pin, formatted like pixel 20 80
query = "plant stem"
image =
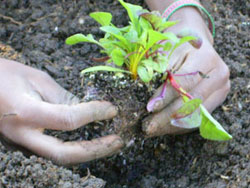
pixel 176 86
pixel 187 74
pixel 135 63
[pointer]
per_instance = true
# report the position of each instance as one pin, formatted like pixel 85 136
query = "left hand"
pixel 31 101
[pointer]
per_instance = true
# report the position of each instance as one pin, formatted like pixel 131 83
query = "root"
pixel 10 19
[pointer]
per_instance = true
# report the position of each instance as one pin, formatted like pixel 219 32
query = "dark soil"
pixel 37 30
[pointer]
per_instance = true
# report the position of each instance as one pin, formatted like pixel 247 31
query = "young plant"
pixel 143 49
pixel 141 46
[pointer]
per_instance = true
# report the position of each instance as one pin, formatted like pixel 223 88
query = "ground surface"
pixel 37 30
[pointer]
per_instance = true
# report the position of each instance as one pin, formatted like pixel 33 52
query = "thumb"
pixel 192 63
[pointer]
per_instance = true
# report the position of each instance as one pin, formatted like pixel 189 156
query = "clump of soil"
pixel 130 96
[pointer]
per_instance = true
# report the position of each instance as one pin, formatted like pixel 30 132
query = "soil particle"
pixel 149 182
pixel 19 171
pixel 220 148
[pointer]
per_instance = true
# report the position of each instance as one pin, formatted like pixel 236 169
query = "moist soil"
pixel 36 30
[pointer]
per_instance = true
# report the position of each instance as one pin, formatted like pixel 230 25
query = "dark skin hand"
pixel 187 59
pixel 32 101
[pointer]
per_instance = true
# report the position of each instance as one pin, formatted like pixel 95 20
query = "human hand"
pixel 186 59
pixel 32 101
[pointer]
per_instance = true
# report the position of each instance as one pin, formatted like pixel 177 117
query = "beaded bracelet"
pixel 183 3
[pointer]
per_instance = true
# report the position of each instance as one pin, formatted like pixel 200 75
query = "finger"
pixel 49 90
pixel 63 117
pixel 159 122
pixel 217 79
pixel 66 152
pixel 191 64
pixel 42 84
pixel 217 98
pixel 10 145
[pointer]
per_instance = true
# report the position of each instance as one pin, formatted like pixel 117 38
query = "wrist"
pixel 190 17
pixel 158 5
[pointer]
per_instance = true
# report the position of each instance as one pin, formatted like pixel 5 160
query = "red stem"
pixel 100 59
pixel 187 74
pixel 176 86
pixel 147 54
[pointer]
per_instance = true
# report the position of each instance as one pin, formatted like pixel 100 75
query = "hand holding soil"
pixel 32 101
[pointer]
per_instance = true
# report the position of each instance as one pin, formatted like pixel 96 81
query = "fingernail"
pixel 118 143
pixel 112 111
pixel 158 105
pixel 150 129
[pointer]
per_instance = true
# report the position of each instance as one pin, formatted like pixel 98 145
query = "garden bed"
pixel 37 32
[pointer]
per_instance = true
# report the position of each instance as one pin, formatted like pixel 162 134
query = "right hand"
pixel 212 90
pixel 32 101
pixel 186 59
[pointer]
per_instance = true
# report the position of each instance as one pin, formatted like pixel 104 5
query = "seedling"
pixel 143 49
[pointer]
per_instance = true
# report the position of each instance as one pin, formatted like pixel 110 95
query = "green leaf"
pixel 117 56
pixel 159 66
pixel 210 128
pixel 110 45
pixel 132 11
pixel 149 63
pixel 111 29
pixel 131 35
pixel 171 36
pixel 187 108
pixel 167 46
pixel 77 38
pixel 184 40
pixel 162 63
pixel 117 34
pixel 125 29
pixel 190 121
pixel 154 18
pixel 154 37
pixel 143 38
pixel 145 73
pixel 180 42
pixel 166 25
pixel 157 46
pixel 103 18
pixel 103 68
pixel 189 32
pixel 145 25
